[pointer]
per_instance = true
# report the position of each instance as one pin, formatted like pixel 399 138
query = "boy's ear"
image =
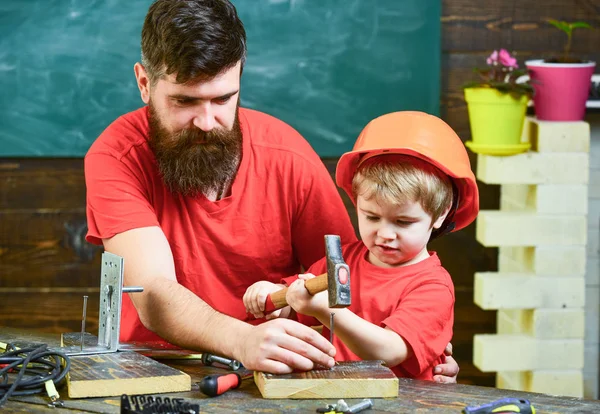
pixel 438 223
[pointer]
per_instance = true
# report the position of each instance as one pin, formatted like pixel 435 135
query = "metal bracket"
pixel 111 293
pixel 109 317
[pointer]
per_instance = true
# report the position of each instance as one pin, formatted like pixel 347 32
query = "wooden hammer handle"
pixel 276 300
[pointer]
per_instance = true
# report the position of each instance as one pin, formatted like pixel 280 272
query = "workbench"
pixel 414 396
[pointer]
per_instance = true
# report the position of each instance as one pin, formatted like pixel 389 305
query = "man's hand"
pixel 447 372
pixel 282 345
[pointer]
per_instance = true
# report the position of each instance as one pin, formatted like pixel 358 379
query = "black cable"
pixel 35 366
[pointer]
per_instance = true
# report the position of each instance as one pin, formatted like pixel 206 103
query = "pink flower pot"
pixel 561 89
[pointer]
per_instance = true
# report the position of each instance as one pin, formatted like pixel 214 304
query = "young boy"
pixel 410 179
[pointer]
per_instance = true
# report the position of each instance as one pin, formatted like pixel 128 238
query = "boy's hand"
pixel 303 302
pixel 255 297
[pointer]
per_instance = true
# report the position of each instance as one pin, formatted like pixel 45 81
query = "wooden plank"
pixel 500 228
pixel 118 373
pixel 518 352
pixel 558 382
pixel 355 379
pixel 495 290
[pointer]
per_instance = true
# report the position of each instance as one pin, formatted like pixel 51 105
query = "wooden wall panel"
pixel 41 184
pixel 46 267
pixel 42 219
pixel 481 25
pixel 49 310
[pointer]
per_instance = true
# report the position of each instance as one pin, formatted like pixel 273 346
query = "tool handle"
pixel 503 405
pixel 213 385
pixel 276 300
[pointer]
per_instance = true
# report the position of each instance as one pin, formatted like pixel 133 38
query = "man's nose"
pixel 205 118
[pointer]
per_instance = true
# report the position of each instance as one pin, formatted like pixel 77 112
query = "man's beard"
pixel 192 161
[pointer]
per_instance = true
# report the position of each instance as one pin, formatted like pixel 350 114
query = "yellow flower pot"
pixel 496 121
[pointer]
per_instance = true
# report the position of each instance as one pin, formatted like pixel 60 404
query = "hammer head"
pixel 338 273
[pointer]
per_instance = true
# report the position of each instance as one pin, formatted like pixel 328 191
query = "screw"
pixel 208 359
pixel 363 405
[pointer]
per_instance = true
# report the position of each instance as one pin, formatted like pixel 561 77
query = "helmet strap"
pixel 449 224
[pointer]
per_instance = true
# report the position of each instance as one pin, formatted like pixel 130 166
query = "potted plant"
pixel 562 83
pixel 497 105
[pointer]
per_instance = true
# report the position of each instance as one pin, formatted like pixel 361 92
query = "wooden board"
pixel 120 373
pixel 355 379
pixel 117 373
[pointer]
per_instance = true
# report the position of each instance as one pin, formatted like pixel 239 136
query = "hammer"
pixel 336 280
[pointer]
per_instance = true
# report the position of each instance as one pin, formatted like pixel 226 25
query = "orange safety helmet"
pixel 423 136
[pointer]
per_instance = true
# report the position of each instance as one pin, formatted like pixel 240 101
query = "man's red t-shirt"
pixel 282 203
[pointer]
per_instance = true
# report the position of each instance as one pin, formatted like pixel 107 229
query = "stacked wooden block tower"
pixel 539 289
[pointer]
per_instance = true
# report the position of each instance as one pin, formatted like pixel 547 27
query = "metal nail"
pixel 85 300
pixel 331 327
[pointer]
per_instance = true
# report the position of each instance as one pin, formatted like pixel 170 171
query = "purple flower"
pixel 507 60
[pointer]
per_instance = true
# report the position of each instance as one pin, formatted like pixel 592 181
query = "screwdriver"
pixel 503 405
pixel 213 385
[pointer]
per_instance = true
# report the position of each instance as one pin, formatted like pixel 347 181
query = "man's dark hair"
pixel 196 39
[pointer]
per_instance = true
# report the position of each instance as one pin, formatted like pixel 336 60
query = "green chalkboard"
pixel 324 66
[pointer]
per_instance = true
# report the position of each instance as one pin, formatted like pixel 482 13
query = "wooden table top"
pixel 414 396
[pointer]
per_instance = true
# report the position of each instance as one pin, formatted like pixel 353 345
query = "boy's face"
pixel 396 235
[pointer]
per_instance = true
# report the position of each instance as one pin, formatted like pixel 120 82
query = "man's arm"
pixel 180 317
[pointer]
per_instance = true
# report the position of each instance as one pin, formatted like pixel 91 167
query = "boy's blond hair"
pixel 398 179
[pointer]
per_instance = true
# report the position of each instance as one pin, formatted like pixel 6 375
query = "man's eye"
pixel 223 100
pixel 183 102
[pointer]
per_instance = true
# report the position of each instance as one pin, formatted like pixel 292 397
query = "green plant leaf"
pixel 581 25
pixel 560 25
